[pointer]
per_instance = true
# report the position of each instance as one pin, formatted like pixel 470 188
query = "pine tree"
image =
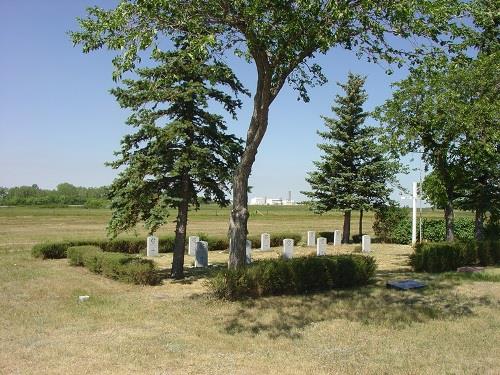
pixel 355 169
pixel 180 150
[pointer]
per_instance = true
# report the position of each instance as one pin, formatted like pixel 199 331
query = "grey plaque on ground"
pixel 405 284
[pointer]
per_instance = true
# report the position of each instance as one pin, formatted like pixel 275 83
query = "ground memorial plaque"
pixel 152 246
pixel 366 246
pixel 311 238
pixel 288 248
pixel 404 284
pixel 337 238
pixel 321 246
pixel 192 245
pixel 249 252
pixel 201 255
pixel 265 241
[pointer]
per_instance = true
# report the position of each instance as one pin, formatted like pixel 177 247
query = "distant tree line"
pixel 64 194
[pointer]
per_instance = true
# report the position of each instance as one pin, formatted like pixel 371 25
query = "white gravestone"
pixel 249 251
pixel 288 248
pixel 152 246
pixel 321 246
pixel 337 238
pixel 201 255
pixel 366 244
pixel 311 238
pixel 265 241
pixel 192 245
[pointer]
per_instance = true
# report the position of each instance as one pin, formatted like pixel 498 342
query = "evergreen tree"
pixel 180 150
pixel 354 170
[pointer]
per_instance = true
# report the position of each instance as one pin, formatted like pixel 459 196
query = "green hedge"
pixel 448 256
pixel 117 266
pixel 433 230
pixel 294 276
pixel 57 250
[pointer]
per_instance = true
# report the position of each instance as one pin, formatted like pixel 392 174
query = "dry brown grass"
pixel 177 328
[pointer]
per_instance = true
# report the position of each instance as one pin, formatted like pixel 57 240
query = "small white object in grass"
pixel 83 298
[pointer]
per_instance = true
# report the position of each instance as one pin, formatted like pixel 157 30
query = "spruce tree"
pixel 355 169
pixel 180 151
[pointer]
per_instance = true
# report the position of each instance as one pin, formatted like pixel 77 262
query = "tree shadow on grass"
pixel 192 274
pixel 286 316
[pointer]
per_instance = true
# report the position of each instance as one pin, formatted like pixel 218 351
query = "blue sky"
pixel 58 123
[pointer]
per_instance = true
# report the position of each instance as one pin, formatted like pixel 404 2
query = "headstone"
pixel 366 245
pixel 288 248
pixel 311 238
pixel 321 246
pixel 404 284
pixel 265 241
pixel 337 238
pixel 152 246
pixel 201 255
pixel 249 251
pixel 192 245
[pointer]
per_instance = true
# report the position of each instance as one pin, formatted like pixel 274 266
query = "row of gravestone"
pixel 199 249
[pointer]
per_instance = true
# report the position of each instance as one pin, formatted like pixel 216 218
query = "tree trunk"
pixel 449 218
pixel 180 230
pixel 478 225
pixel 239 214
pixel 360 223
pixel 347 226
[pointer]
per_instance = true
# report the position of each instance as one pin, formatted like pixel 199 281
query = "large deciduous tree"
pixel 448 108
pixel 279 37
pixel 355 170
pixel 179 150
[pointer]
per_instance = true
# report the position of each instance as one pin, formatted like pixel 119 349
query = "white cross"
pixel 414 198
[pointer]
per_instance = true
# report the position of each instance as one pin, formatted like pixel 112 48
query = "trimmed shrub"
pixel 387 222
pixel 276 239
pixel 448 256
pixel 76 254
pixel 50 250
pixel 117 266
pixel 294 276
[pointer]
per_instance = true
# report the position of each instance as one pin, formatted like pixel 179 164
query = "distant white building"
pixel 271 202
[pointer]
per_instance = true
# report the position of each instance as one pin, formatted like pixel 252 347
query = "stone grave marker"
pixel 311 238
pixel 265 241
pixel 337 238
pixel 249 251
pixel 152 246
pixel 366 245
pixel 321 246
pixel 192 245
pixel 201 255
pixel 288 248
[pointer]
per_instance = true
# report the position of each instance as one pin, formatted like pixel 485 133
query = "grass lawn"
pixel 453 326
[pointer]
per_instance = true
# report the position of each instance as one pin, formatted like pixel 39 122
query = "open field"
pixel 452 327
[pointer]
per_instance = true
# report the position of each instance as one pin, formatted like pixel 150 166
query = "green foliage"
pixel 392 225
pixel 65 194
pixel 295 276
pixel 50 250
pixel 388 225
pixel 448 256
pixel 355 168
pixel 116 266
